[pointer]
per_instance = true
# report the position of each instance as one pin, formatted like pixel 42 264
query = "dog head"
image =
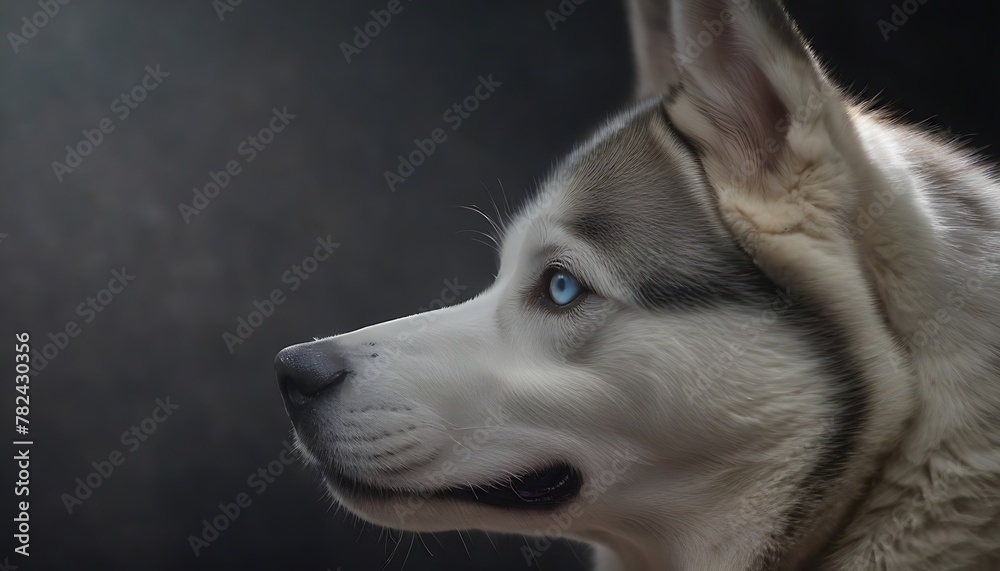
pixel 680 341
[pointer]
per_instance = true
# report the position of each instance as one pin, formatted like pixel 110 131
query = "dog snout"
pixel 305 372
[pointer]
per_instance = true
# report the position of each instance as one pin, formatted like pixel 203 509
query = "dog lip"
pixel 543 488
pixel 548 487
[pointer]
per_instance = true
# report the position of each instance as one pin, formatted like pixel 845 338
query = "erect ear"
pixel 652 47
pixel 775 139
pixel 738 79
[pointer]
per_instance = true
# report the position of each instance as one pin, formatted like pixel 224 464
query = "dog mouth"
pixel 542 488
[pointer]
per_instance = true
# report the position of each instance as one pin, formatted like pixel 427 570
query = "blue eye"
pixel 563 288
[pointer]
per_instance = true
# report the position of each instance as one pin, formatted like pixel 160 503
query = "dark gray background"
pixel 322 176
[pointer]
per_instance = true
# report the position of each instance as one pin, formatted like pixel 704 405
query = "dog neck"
pixel 744 532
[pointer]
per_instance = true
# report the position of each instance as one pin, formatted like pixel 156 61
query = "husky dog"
pixel 750 324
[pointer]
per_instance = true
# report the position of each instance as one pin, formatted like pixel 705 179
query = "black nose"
pixel 305 372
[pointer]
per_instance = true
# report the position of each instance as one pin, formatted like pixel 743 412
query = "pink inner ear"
pixel 727 50
pixel 754 107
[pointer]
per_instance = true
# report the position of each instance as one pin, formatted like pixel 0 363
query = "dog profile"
pixel 750 324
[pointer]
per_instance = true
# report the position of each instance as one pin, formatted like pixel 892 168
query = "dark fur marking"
pixel 683 139
pixel 677 291
pixel 672 94
pixel 595 227
pixel 832 347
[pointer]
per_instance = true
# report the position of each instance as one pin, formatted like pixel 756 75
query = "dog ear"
pixel 774 137
pixel 652 47
pixel 738 77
